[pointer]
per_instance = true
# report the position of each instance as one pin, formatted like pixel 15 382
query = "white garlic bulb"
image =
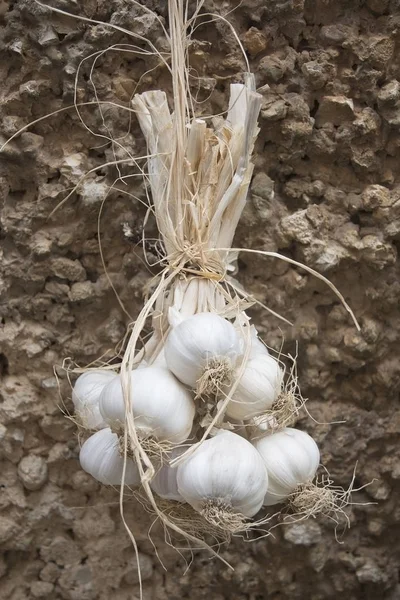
pixel 291 457
pixel 226 469
pixel 161 405
pixel 201 341
pixel 102 458
pixel 258 387
pixel 86 395
pixel 164 483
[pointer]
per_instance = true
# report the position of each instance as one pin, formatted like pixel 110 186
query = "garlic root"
pixel 156 449
pixel 284 410
pixel 218 373
pixel 220 514
pixel 309 499
pixel 191 521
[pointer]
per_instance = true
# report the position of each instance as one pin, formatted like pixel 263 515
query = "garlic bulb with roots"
pixel 225 479
pixel 259 386
pixel 162 407
pixel 86 394
pixel 102 457
pixel 291 457
pixel 202 351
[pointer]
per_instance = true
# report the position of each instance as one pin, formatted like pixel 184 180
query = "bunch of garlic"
pixel 207 362
pixel 203 355
pixel 203 374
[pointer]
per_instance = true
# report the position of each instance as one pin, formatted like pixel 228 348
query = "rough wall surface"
pixel 326 192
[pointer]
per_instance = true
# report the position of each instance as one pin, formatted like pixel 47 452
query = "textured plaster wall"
pixel 326 192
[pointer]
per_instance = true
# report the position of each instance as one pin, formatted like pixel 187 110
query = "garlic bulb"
pixel 224 470
pixel 163 408
pixel 258 387
pixel 201 345
pixel 102 458
pixel 164 483
pixel 86 394
pixel 291 457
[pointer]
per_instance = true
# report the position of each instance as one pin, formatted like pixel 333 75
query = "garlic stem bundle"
pixel 291 457
pixel 194 296
pixel 162 407
pixel 225 480
pixel 101 456
pixel 258 387
pixel 202 351
pixel 86 395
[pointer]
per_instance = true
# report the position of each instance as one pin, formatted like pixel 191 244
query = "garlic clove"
pixel 86 395
pixel 102 458
pixel 161 405
pixel 199 343
pixel 224 469
pixel 291 457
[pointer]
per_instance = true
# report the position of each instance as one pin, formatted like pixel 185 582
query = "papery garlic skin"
pixel 101 457
pixel 197 340
pixel 86 395
pixel 259 386
pixel 257 346
pixel 161 405
pixel 160 361
pixel 291 457
pixel 164 483
pixel 227 469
